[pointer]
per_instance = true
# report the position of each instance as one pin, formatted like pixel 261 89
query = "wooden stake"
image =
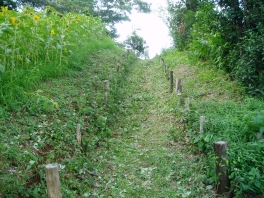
pixel 171 81
pixel 78 134
pixel 202 120
pixel 178 87
pixel 106 97
pixel 221 167
pixel 107 84
pixel 162 61
pixel 118 66
pixel 53 181
pixel 165 68
pixel 110 75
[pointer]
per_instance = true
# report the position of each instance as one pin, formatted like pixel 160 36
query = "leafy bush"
pixel 246 62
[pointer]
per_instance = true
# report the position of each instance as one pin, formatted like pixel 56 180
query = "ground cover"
pixel 231 116
pixel 142 160
pixel 43 130
pixel 142 142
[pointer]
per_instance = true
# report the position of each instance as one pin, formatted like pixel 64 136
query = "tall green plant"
pixel 34 44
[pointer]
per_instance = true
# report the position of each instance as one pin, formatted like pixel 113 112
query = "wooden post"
pixel 107 85
pixel 221 167
pixel 202 120
pixel 106 97
pixel 171 81
pixel 111 75
pixel 178 86
pixel 178 81
pixel 187 104
pixel 118 66
pixel 78 134
pixel 53 181
pixel 162 61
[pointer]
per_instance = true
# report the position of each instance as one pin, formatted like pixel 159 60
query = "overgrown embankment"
pixel 52 72
pixel 43 130
pixel 230 115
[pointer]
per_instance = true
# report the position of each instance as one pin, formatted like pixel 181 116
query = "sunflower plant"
pixel 40 43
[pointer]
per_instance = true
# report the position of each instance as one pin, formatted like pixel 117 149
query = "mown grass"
pixel 142 160
pixel 231 116
pixel 43 130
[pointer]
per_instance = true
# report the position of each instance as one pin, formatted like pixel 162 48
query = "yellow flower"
pixel 52 32
pixel 36 18
pixel 31 13
pixel 78 19
pixel 6 8
pixel 12 20
pixel 56 105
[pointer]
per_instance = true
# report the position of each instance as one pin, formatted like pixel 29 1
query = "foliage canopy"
pixel 136 43
pixel 111 12
pixel 228 33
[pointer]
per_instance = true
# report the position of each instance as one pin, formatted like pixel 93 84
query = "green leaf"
pixel 8 51
pixel 261 130
pixel 200 145
pixel 2 68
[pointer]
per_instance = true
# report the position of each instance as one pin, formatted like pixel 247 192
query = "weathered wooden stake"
pixel 107 84
pixel 221 167
pixel 53 181
pixel 106 97
pixel 178 86
pixel 118 66
pixel 162 61
pixel 78 134
pixel 202 120
pixel 171 81
pixel 187 104
pixel 111 75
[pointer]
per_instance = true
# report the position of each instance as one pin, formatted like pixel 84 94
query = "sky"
pixel 149 26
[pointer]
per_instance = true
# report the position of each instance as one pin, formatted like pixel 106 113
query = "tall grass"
pixel 38 45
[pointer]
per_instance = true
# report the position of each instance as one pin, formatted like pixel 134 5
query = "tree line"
pixel 229 33
pixel 110 11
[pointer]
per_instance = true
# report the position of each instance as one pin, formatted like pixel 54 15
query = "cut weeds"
pixel 126 146
pixel 141 160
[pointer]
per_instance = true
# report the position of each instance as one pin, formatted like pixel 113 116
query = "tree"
pixel 136 43
pixel 180 21
pixel 11 4
pixel 227 32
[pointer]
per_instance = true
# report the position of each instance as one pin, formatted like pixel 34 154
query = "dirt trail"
pixel 142 160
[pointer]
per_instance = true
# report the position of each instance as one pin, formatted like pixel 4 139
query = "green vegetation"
pixel 227 33
pixel 36 46
pixel 136 43
pixel 230 116
pixel 141 141
pixel 111 12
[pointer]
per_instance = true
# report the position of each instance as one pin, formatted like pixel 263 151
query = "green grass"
pixel 231 116
pixel 43 129
pixel 143 142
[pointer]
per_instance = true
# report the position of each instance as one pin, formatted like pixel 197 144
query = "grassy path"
pixel 142 160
